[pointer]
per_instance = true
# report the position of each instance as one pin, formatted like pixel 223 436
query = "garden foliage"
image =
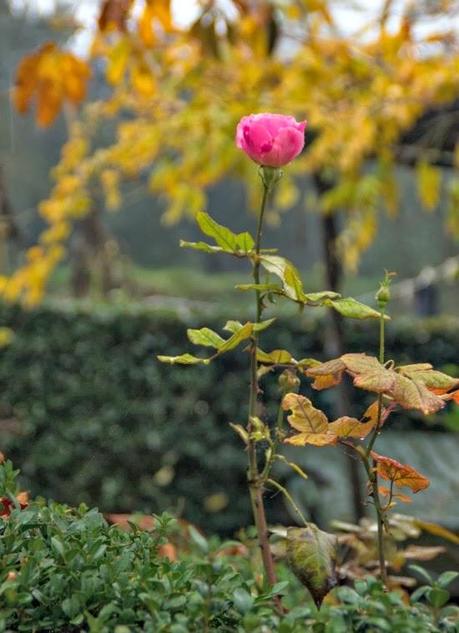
pixel 89 417
pixel 66 570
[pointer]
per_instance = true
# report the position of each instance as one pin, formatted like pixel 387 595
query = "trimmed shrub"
pixel 66 570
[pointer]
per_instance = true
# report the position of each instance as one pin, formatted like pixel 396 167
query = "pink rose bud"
pixel 272 140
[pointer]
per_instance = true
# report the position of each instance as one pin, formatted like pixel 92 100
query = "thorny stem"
pixel 254 480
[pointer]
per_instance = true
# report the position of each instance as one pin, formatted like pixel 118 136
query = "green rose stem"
pixel 256 482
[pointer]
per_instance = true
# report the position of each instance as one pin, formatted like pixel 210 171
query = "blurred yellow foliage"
pixel 181 92
pixel 52 78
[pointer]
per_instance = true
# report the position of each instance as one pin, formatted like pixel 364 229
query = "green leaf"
pixel 232 326
pixel 198 539
pixel 184 359
pixel 447 578
pixel 311 553
pixel 225 238
pixel 201 246
pixel 438 597
pixel 260 287
pixel 319 297
pixel 236 326
pixel 243 601
pixel 419 593
pixel 205 336
pixel 209 338
pixel 421 572
pixel 287 273
pixel 263 325
pixel 299 471
pixel 58 546
pixel 352 309
pixel 274 264
pixel 240 430
pixel 293 286
pixel 242 334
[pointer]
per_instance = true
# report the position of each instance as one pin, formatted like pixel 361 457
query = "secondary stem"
pixel 255 481
pixel 372 472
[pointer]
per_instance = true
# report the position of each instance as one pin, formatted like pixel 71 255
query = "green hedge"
pixel 89 415
pixel 65 570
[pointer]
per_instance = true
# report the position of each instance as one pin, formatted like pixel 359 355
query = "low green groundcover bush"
pixel 66 570
pixel 89 414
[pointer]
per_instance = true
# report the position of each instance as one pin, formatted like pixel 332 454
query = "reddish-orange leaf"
pixel 400 474
pixel 454 395
pixel 113 15
pixel 7 505
pixel 385 492
pixel 327 374
pixel 168 550
pixel 144 522
pixel 325 382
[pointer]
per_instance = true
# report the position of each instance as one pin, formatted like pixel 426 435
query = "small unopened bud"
pixel 289 381
pixel 383 295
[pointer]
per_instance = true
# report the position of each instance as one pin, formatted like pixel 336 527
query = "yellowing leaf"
pixel 145 25
pixel 411 394
pixel 50 77
pixel 244 333
pixel 311 554
pixel 311 423
pixel 429 377
pixel 161 11
pixel 117 61
pixel 429 182
pixel 436 530
pixel 276 357
pixel 399 474
pixel 184 359
pixel 369 374
pixel 351 427
pixel 143 80
pixel 325 382
pixel 327 374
